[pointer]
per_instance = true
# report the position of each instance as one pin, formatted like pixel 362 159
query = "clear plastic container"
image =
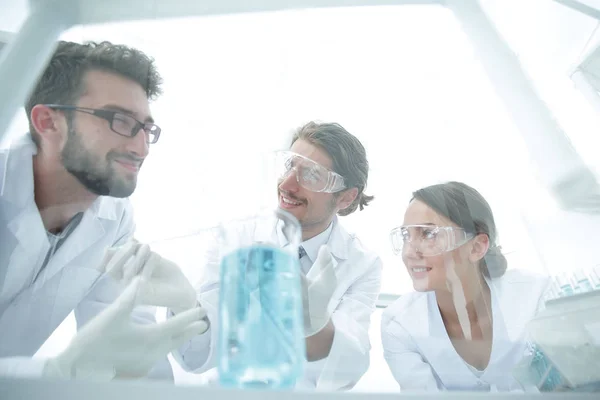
pixel 261 337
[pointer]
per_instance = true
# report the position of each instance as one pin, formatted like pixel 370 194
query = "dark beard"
pixel 80 163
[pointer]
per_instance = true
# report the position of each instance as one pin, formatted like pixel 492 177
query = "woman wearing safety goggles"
pixel 465 327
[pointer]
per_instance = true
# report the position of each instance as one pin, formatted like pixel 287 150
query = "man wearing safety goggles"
pixel 324 174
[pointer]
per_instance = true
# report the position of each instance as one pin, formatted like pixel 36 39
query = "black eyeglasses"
pixel 123 124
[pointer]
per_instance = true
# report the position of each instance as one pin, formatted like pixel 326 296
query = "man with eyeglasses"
pixel 63 203
pixel 323 175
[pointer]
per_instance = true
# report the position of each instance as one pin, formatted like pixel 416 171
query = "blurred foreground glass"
pixel 564 353
pixel 261 338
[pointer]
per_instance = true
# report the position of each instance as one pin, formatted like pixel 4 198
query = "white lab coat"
pixel 358 273
pixel 31 309
pixel 419 352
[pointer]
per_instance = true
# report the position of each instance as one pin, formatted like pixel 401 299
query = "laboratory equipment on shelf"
pixel 565 348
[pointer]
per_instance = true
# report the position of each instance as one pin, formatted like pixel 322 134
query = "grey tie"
pixel 301 252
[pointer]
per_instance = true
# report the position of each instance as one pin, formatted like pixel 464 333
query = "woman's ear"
pixel 480 246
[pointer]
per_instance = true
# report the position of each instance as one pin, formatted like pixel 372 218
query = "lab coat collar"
pixel 512 311
pixel 337 244
pixel 312 245
pixel 452 371
pixel 338 241
pixel 28 229
pixel 16 179
pixel 17 193
pixel 24 219
pixel 18 186
pixel 103 208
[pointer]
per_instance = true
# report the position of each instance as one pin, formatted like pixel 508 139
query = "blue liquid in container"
pixel 564 283
pixel 547 376
pixel 261 336
pixel 583 281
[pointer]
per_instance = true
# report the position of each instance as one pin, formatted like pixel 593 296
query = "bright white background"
pixel 404 80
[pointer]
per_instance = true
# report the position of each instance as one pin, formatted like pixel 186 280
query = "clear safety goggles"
pixel 309 174
pixel 429 240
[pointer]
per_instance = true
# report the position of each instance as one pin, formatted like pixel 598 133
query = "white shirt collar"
pixel 312 245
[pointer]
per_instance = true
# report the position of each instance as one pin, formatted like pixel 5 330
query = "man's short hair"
pixel 62 80
pixel 347 153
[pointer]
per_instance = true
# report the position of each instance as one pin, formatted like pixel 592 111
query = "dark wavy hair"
pixel 467 208
pixel 62 82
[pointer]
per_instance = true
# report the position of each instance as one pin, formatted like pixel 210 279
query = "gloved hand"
pixel 165 285
pixel 112 345
pixel 317 289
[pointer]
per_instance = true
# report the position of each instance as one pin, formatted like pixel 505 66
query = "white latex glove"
pixel 165 285
pixel 317 289
pixel 112 345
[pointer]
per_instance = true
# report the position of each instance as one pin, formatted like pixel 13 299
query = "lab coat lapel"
pixel 439 350
pixel 27 244
pixel 512 310
pixel 430 340
pixel 21 216
pixel 86 234
pixel 338 241
pixel 345 272
pixel 27 228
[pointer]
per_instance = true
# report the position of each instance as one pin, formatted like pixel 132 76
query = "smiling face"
pixel 314 210
pixel 435 272
pixel 103 161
